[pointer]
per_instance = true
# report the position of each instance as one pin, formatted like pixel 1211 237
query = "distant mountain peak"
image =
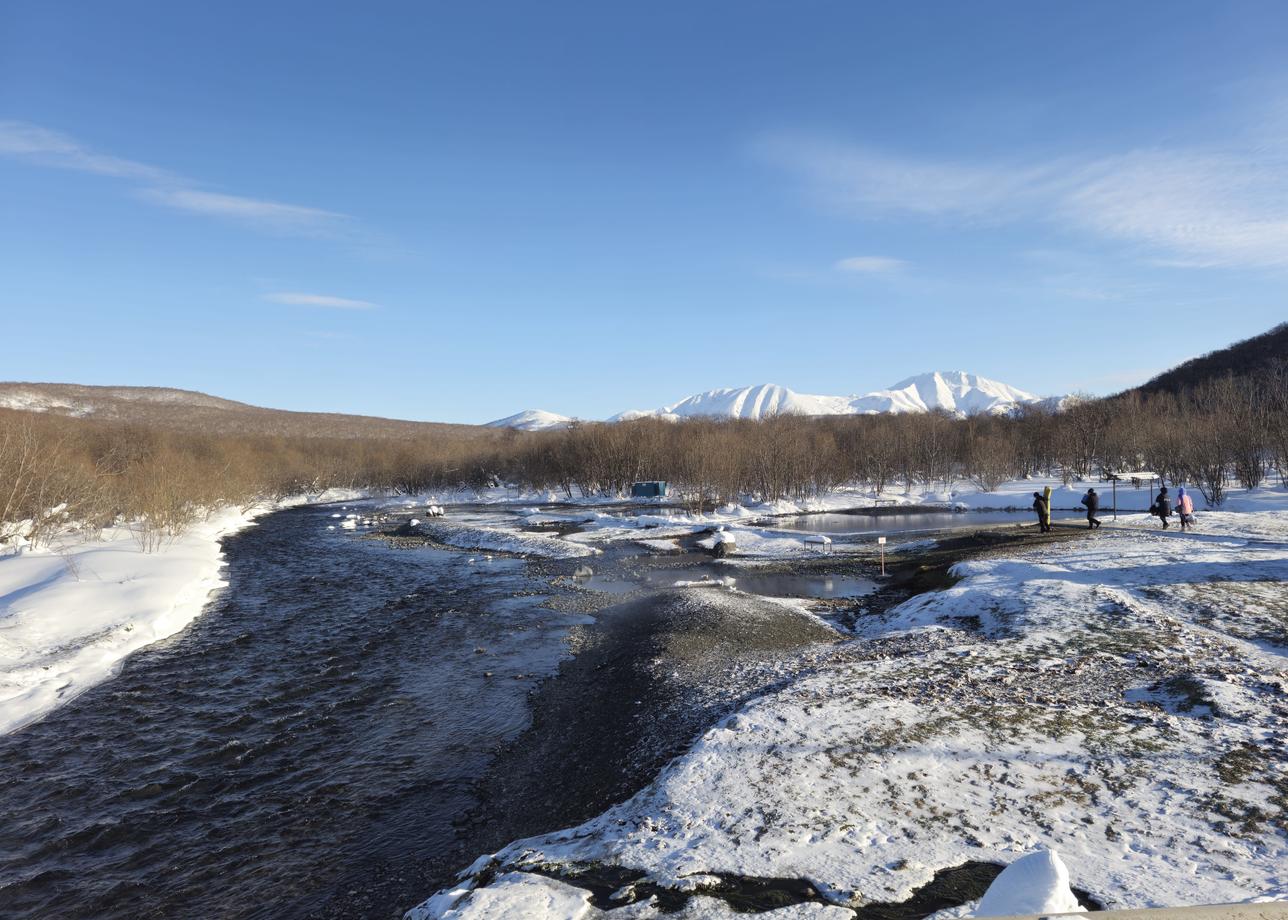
pixel 953 391
pixel 532 420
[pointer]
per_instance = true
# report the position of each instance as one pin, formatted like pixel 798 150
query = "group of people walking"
pixel 1184 507
pixel 1162 508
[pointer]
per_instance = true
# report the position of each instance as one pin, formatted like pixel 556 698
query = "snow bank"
pixel 70 615
pixel 72 612
pixel 466 536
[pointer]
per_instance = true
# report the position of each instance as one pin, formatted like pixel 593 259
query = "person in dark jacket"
pixel 1044 515
pixel 1163 506
pixel 1092 501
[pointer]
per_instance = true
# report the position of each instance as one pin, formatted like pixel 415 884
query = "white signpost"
pixel 881 543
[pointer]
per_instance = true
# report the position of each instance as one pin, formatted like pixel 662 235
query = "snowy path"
pixel 1122 698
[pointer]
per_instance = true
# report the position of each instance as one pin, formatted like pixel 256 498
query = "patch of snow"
pixel 469 536
pixel 513 894
pixel 1034 884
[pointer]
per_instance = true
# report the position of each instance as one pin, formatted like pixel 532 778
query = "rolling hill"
pixel 187 410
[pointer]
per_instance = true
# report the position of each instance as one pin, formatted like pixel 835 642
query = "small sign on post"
pixel 1136 480
pixel 881 543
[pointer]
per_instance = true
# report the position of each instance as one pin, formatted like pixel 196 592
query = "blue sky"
pixel 456 211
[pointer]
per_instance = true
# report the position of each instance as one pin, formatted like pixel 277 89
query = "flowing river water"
pixel 337 702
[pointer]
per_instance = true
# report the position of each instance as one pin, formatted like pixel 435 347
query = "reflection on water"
pixel 911 522
pixel 720 575
pixel 608 584
pixel 814 586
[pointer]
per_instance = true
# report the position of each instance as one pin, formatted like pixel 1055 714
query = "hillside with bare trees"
pixel 87 456
pixel 1260 357
pixel 186 410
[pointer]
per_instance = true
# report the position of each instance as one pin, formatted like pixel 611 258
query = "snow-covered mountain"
pixel 952 391
pixel 532 420
pixel 756 402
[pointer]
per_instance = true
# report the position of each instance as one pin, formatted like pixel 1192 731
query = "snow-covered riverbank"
pixel 70 613
pixel 1122 698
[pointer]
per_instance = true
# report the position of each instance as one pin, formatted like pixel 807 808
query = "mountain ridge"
pixel 957 392
pixel 1256 356
pixel 190 410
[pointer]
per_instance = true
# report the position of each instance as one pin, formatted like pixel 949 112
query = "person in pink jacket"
pixel 1184 508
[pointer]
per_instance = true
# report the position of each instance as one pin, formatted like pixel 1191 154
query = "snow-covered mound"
pixel 1033 884
pixel 532 420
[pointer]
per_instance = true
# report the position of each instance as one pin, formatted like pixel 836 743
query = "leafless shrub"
pixel 58 472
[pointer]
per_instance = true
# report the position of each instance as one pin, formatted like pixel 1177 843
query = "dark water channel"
pixel 332 708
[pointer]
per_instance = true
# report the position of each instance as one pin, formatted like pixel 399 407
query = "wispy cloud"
pixel 49 148
pixel 1201 209
pixel 870 265
pixel 274 214
pixel 295 298
pixel 1189 207
pixel 861 178
pixel 43 147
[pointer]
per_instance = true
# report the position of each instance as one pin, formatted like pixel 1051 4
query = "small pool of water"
pixel 607 584
pixel 911 522
pixel 813 586
pixel 821 587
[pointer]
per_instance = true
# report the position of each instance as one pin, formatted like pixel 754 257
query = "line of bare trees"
pixel 1222 431
pixel 57 472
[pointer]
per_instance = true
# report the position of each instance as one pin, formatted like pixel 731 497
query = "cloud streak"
pixel 870 265
pixel 43 147
pixel 1188 207
pixel 272 214
pixel 295 298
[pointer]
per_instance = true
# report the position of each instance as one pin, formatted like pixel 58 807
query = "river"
pixel 335 704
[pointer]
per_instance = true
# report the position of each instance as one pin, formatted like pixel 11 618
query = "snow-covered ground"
pixel 70 613
pixel 751 524
pixel 1121 698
